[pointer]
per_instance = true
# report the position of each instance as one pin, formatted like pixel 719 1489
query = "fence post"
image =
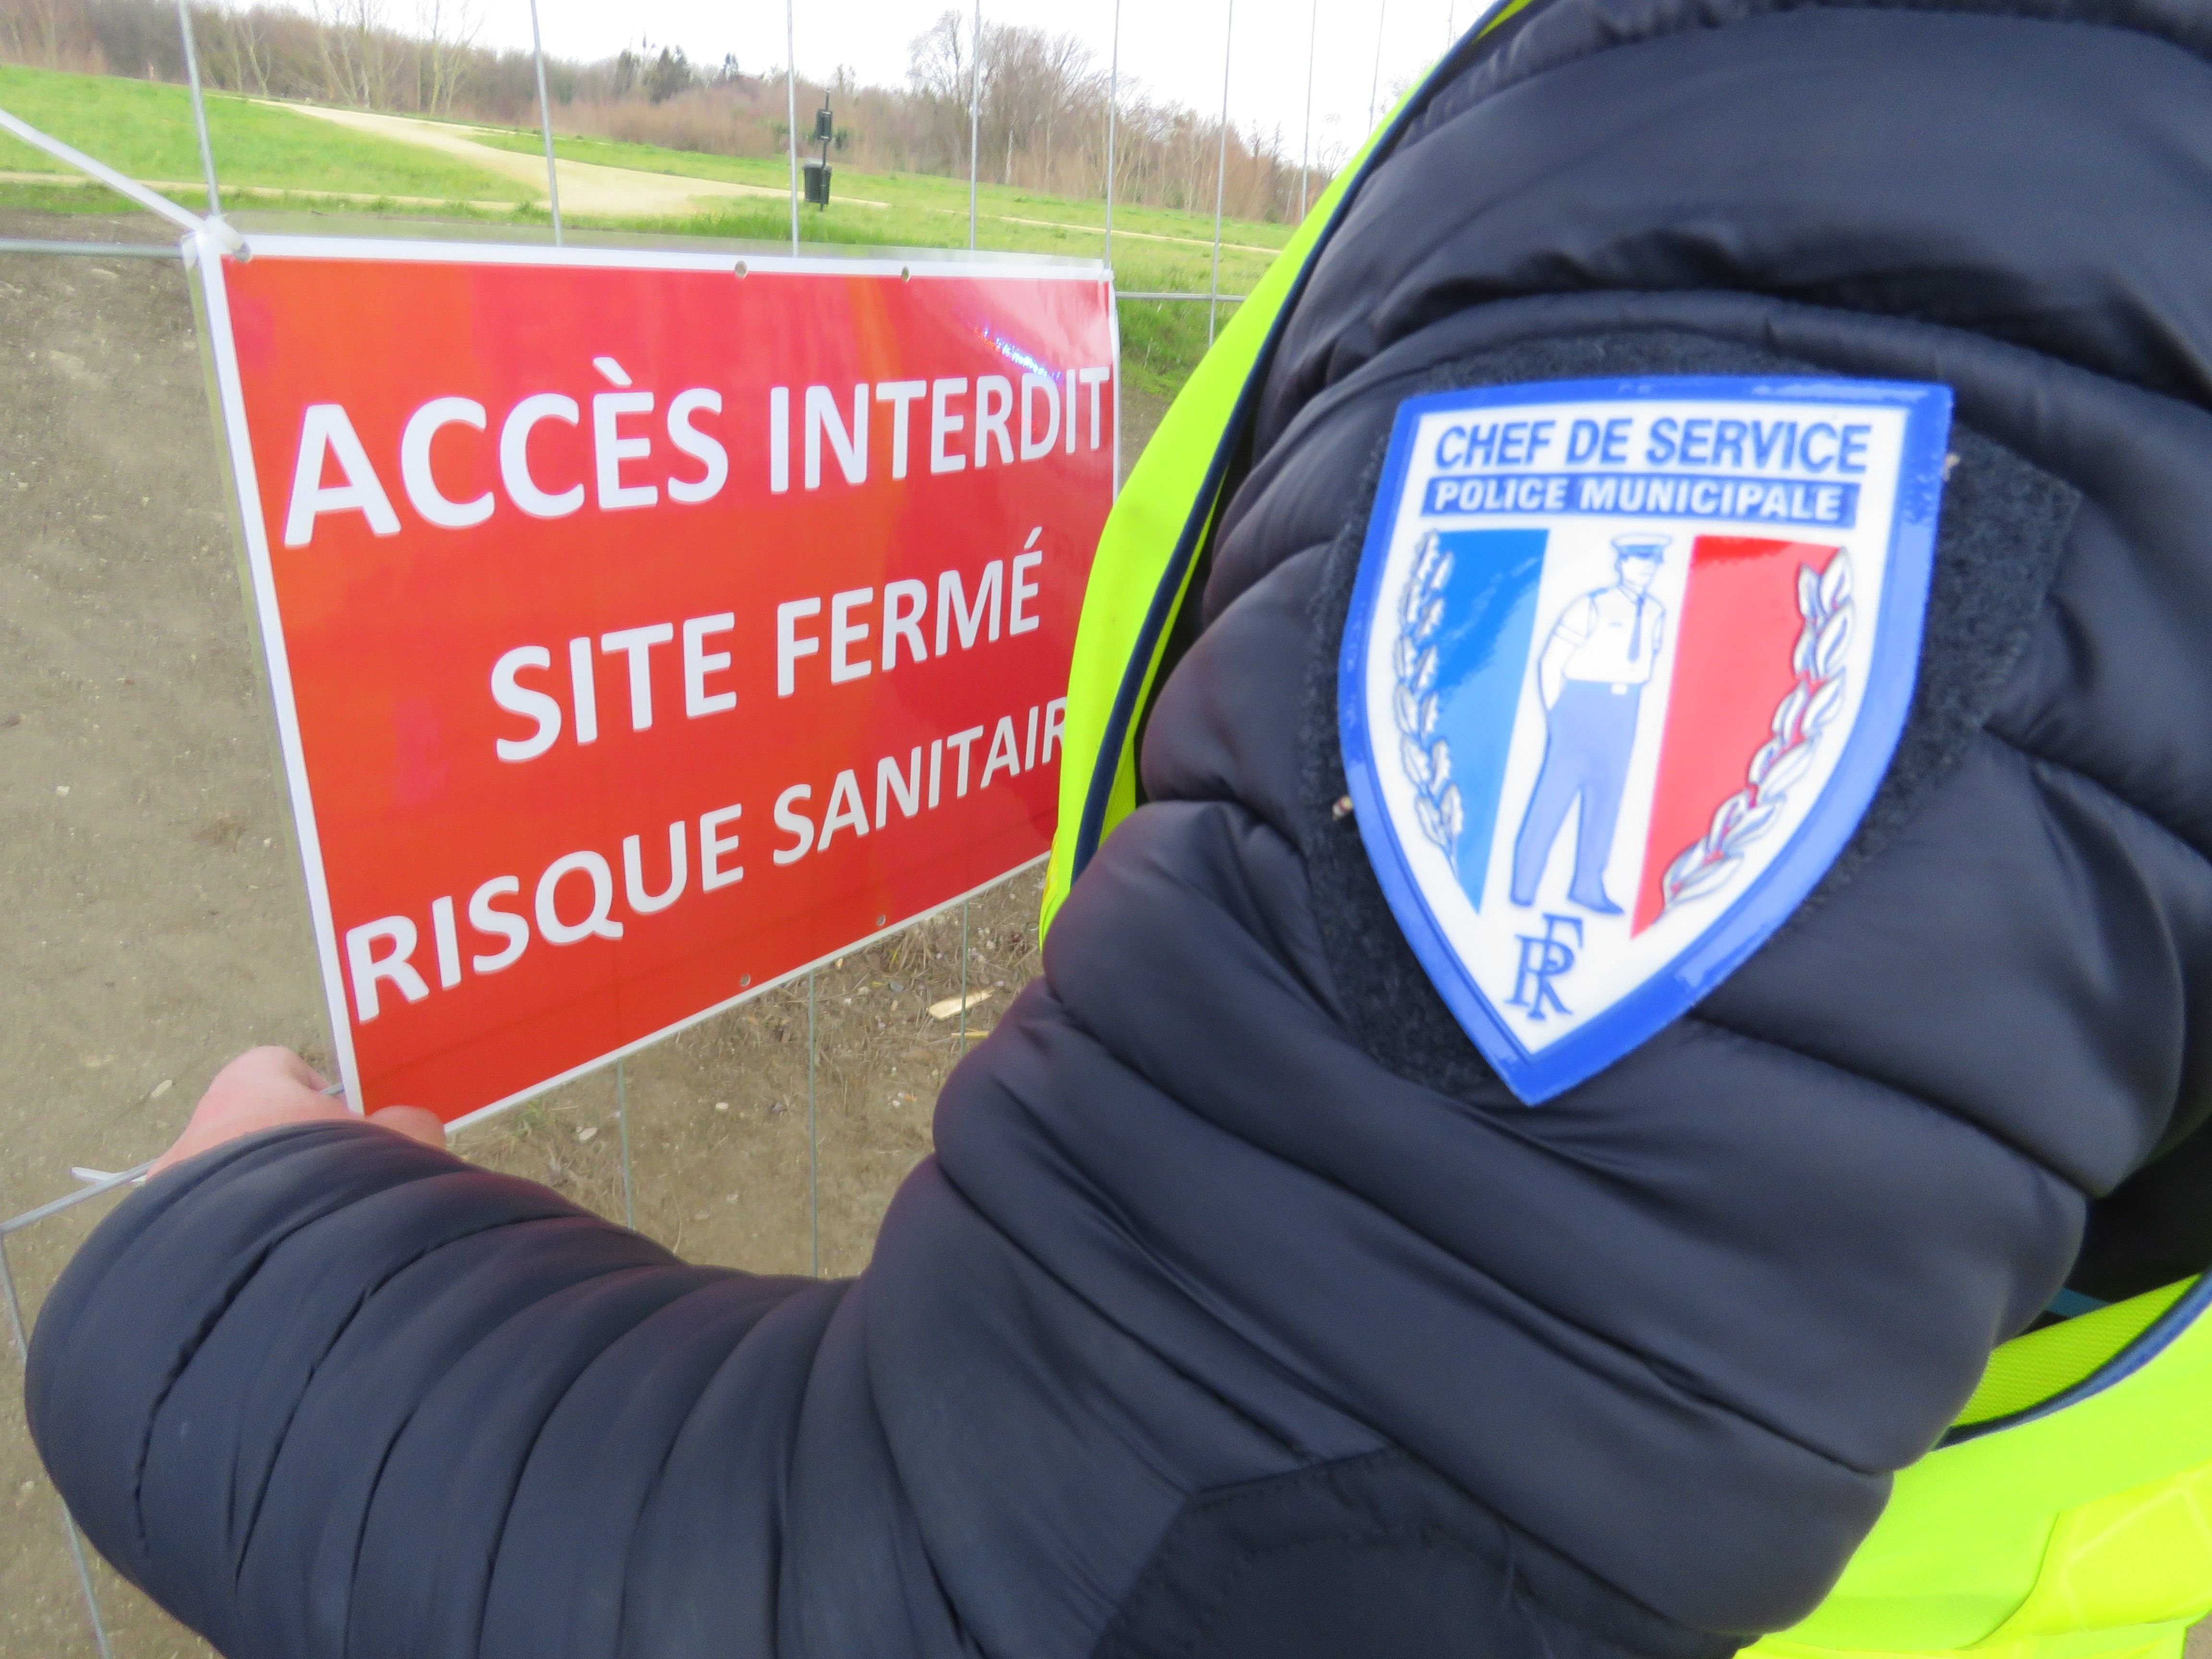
pixel 791 99
pixel 975 115
pixel 1113 113
pixel 199 109
pixel 1374 84
pixel 546 122
pixel 1220 173
pixel 622 1120
pixel 1305 156
pixel 76 1543
pixel 813 1145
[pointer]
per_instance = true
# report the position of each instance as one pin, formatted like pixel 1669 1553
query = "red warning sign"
pixel 644 628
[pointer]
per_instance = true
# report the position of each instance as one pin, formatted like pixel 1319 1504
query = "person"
pixel 1240 1309
pixel 1591 676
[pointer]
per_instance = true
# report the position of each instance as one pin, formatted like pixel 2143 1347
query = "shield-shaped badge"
pixel 1624 663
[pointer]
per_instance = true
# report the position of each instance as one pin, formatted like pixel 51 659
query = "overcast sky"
pixel 1173 47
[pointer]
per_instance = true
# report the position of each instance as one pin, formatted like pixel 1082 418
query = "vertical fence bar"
pixel 813 1145
pixel 791 98
pixel 84 1583
pixel 1374 84
pixel 964 977
pixel 622 1119
pixel 68 1522
pixel 199 107
pixel 1113 114
pixel 1220 172
pixel 975 116
pixel 546 122
pixel 1305 156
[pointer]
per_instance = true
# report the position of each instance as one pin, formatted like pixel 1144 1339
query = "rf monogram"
pixel 1544 958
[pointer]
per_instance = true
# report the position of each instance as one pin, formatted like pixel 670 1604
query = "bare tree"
pixel 243 38
pixel 1075 82
pixel 941 67
pixel 448 31
pixel 1043 117
pixel 42 27
pixel 355 50
pixel 937 59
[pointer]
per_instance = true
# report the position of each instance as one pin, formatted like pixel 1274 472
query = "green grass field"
pixel 144 129
pixel 1155 250
pixel 908 191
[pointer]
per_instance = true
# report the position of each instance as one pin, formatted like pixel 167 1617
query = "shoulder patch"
pixel 1625 663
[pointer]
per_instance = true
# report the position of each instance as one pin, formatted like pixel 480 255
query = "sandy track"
pixel 586 187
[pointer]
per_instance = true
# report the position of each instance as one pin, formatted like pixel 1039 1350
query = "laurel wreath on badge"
pixel 1709 863
pixel 1425 756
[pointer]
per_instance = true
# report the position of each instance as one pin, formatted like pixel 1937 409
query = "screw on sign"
pixel 638 638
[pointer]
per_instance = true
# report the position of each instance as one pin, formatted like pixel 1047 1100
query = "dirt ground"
pixel 153 921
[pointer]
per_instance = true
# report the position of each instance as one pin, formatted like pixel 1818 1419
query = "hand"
pixel 269 1088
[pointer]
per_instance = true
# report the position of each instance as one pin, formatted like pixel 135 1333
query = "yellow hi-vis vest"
pixel 2070 1511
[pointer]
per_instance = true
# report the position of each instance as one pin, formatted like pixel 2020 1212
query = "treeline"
pixel 1043 97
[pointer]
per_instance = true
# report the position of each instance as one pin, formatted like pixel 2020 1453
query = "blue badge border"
pixel 1812 849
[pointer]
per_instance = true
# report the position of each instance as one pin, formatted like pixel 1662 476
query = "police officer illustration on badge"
pixel 1591 676
pixel 1609 708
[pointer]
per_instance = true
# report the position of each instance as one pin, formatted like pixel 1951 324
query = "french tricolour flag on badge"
pixel 1624 663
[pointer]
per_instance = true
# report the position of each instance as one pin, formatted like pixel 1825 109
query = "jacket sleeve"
pixel 325 1390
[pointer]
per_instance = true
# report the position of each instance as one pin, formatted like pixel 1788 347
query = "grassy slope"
pixel 1161 342
pixel 145 128
pixel 927 191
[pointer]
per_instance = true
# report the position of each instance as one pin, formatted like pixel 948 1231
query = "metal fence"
pixel 810 1102
pixel 770 1136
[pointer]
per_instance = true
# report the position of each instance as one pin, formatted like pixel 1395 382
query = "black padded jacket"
pixel 1240 1309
